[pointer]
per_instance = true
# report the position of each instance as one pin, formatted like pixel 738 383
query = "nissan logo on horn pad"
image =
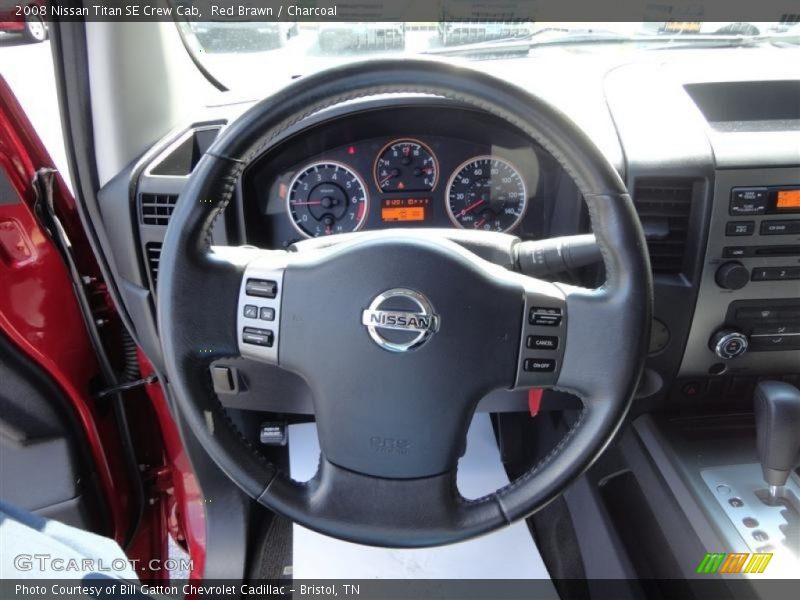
pixel 400 319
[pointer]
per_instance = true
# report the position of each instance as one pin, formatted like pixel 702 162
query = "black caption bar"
pixel 784 11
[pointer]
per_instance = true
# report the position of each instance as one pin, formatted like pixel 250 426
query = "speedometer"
pixel 486 192
pixel 325 198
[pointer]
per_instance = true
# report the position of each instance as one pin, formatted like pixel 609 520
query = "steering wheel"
pixel 399 335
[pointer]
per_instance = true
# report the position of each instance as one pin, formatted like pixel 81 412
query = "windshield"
pixel 234 52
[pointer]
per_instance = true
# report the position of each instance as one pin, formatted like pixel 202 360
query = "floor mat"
pixel 506 554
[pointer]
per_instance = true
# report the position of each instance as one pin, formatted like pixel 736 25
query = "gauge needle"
pixel 387 178
pixel 471 207
pixel 305 203
pixel 480 223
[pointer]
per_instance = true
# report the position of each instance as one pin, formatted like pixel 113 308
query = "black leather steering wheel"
pixel 392 422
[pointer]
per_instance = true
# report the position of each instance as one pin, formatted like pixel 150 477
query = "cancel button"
pixel 543 342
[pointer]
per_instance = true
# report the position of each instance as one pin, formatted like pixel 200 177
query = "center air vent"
pixel 153 251
pixel 156 209
pixel 664 207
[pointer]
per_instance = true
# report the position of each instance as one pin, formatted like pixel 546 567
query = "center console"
pixel 747 317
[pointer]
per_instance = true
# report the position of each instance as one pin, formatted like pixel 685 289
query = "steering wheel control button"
pixel 273 433
pixel 260 296
pixel 542 342
pixel 540 365
pixel 740 228
pixel 258 337
pixel 748 201
pixel 400 319
pixel 262 288
pixel 545 317
pixel 541 345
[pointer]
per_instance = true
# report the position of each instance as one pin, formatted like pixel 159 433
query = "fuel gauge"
pixel 406 165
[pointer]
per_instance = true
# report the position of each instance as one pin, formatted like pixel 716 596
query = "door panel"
pixel 42 324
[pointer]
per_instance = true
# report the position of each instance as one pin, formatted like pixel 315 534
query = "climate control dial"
pixel 728 343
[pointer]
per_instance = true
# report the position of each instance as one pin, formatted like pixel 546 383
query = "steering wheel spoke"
pixel 258 318
pixel 543 335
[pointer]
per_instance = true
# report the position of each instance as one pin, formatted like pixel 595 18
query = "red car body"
pixel 27 18
pixel 47 327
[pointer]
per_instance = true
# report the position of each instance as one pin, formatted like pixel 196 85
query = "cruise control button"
pixel 547 317
pixel 263 288
pixel 539 365
pixel 257 337
pixel 251 311
pixel 267 314
pixel 545 342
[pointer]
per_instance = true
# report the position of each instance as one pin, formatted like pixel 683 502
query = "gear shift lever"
pixel 777 408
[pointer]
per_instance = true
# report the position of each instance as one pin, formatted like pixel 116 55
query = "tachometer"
pixel 406 165
pixel 486 192
pixel 327 197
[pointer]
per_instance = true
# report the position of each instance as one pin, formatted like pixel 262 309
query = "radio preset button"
pixel 776 273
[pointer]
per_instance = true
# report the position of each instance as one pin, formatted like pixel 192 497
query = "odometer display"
pixel 406 165
pixel 326 198
pixel 486 193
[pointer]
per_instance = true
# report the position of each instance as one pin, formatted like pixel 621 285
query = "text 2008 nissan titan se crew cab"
pixel 361 304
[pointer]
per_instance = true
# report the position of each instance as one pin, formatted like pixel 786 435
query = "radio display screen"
pixel 788 200
pixel 405 209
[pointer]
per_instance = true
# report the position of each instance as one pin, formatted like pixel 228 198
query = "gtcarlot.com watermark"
pixel 55 564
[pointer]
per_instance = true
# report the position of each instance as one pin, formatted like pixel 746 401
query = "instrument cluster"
pixel 488 181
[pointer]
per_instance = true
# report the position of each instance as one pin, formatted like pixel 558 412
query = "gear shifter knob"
pixel 777 408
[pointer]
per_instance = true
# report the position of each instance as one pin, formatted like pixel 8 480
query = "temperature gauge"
pixel 406 165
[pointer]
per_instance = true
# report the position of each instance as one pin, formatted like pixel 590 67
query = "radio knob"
pixel 732 276
pixel 728 343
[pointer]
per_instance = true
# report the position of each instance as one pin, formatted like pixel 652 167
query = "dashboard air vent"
pixel 153 251
pixel 664 207
pixel 156 209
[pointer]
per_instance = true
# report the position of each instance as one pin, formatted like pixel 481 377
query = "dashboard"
pixel 423 167
pixel 706 144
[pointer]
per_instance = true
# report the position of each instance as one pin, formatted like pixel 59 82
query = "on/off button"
pixel 539 365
